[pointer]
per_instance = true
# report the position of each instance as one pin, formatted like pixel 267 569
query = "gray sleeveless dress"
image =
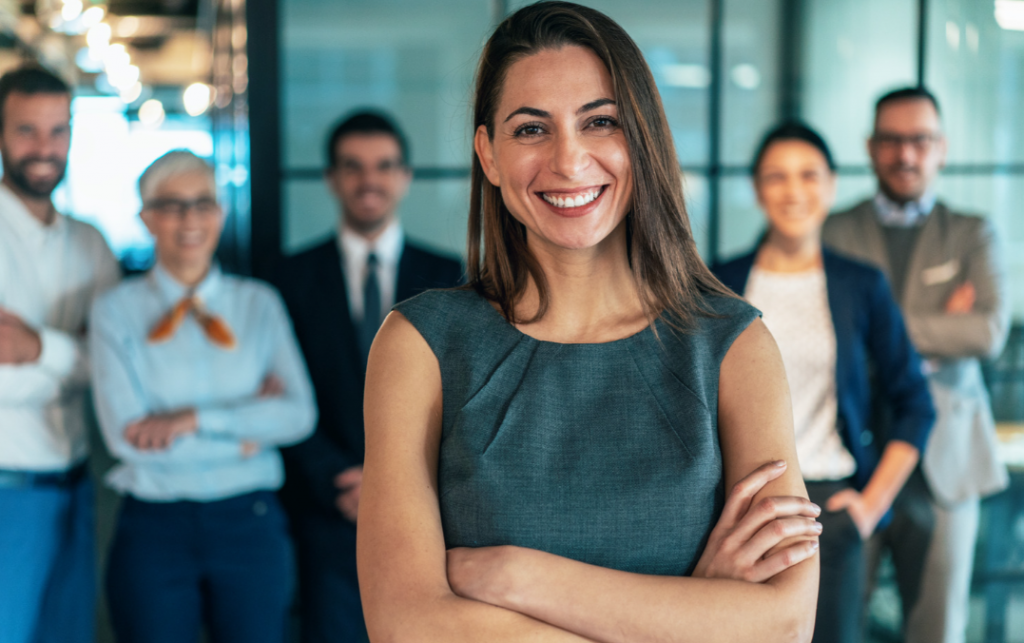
pixel 603 453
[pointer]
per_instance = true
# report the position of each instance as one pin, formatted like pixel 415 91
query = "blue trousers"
pixel 47 564
pixel 177 566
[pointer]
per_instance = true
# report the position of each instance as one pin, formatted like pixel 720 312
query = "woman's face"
pixel 795 188
pixel 184 219
pixel 558 153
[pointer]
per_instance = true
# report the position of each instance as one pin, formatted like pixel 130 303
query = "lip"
pixel 575 212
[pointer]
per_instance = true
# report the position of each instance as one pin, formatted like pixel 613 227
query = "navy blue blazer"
pixel 872 346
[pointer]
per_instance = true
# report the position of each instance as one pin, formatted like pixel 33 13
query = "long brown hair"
pixel 667 269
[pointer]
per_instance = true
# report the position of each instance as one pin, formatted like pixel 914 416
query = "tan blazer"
pixel 960 459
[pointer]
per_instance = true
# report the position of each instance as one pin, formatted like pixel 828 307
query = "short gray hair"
pixel 172 164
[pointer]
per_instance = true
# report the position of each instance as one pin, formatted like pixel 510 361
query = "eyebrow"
pixel 540 113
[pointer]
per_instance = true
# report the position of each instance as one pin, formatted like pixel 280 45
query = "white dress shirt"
pixel 49 276
pixel 354 251
pixel 134 378
pixel 907 215
pixel 795 309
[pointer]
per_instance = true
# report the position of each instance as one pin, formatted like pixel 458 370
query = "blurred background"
pixel 255 85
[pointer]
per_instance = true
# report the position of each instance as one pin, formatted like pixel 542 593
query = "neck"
pixel 40 208
pixel 592 297
pixel 370 232
pixel 899 199
pixel 187 274
pixel 784 254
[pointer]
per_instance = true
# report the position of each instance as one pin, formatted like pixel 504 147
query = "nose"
pixel 570 156
pixel 907 153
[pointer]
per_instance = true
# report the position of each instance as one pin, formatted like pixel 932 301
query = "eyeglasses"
pixel 204 206
pixel 349 167
pixel 892 142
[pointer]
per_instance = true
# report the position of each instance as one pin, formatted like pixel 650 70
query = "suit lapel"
pixel 406 286
pixel 874 242
pixel 335 300
pixel 926 252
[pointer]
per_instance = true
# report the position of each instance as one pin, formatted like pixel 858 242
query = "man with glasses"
pixel 51 268
pixel 338 294
pixel 946 274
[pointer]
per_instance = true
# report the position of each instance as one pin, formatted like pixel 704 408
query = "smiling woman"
pixel 548 449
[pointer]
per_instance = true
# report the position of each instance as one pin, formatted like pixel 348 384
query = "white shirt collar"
pixel 17 215
pixel 173 291
pixel 907 215
pixel 388 246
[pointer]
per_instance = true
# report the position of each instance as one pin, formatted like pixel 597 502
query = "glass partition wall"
pixel 727 70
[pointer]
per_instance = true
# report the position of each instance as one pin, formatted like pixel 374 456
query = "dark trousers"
pixel 179 565
pixel 907 538
pixel 328 586
pixel 841 589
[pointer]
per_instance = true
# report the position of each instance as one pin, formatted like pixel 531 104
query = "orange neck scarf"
pixel 215 328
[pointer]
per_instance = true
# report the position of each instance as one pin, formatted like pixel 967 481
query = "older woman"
pixel 835 321
pixel 547 450
pixel 197 379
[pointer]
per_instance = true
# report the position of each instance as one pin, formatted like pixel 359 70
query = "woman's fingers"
pixel 743 492
pixel 768 509
pixel 782 560
pixel 776 532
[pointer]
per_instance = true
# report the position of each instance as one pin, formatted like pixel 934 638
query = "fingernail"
pixel 779 463
pixel 818 527
pixel 816 508
pixel 814 545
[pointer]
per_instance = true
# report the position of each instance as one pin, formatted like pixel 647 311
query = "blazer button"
pixel 259 508
pixel 866 438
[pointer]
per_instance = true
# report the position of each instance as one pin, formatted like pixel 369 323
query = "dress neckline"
pixel 500 319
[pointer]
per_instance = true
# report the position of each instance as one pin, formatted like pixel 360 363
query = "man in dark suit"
pixel 338 294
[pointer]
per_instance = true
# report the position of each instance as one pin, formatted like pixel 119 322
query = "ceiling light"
pixel 692 76
pixel 1010 14
pixel 87 62
pixel 98 36
pixel 71 10
pixel 746 76
pixel 92 16
pixel 132 93
pixel 151 113
pixel 197 98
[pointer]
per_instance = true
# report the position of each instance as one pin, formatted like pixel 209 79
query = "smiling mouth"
pixel 568 200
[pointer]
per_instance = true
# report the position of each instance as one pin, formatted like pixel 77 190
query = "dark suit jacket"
pixel 870 336
pixel 313 289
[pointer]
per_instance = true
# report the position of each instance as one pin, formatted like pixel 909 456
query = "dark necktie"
pixel 371 307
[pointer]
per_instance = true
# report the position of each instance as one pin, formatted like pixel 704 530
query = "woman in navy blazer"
pixel 853 468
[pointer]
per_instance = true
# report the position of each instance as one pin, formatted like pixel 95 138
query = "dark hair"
pixel 30 78
pixel 907 93
pixel 667 269
pixel 792 131
pixel 366 122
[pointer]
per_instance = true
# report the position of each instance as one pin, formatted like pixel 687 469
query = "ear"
pixel 147 220
pixel 943 149
pixel 406 181
pixel 484 147
pixel 831 186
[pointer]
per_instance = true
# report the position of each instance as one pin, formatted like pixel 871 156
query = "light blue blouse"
pixel 133 378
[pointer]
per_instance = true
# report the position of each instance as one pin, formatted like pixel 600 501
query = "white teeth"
pixel 572 202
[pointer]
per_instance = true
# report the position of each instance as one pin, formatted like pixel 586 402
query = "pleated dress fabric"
pixel 604 453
